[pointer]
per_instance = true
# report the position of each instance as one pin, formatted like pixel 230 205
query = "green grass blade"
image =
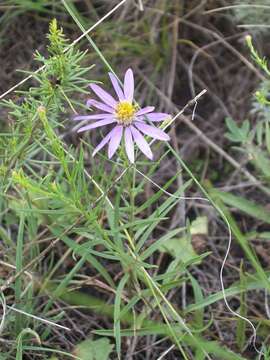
pixel 18 281
pixel 117 310
pixel 246 206
pixel 241 324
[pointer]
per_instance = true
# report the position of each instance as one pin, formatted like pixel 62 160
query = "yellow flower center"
pixel 125 112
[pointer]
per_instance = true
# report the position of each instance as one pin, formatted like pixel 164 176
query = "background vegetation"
pixel 99 260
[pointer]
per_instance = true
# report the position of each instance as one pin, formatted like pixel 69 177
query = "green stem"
pixel 131 183
pixel 18 281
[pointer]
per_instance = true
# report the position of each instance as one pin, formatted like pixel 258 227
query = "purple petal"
pixel 97 124
pixel 93 117
pixel 145 110
pixel 103 143
pixel 115 140
pixel 99 105
pixel 103 95
pixel 129 85
pixel 156 116
pixel 129 145
pixel 141 142
pixel 152 131
pixel 117 87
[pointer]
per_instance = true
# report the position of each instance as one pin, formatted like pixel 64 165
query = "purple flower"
pixel 129 122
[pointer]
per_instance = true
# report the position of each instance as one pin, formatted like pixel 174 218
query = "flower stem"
pixel 132 181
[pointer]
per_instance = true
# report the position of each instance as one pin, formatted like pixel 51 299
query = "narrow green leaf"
pixel 247 206
pixel 267 135
pixel 117 310
pixel 18 281
pixel 241 323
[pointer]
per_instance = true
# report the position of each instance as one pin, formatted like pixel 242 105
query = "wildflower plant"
pixel 70 224
pixel 50 190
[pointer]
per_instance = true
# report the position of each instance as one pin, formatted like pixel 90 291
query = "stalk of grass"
pixel 18 281
pixel 116 315
pixel 78 20
pixel 241 325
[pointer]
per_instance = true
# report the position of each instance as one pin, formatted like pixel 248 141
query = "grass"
pixel 83 239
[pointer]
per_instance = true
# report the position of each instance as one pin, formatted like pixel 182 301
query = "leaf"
pixel 199 226
pixel 94 349
pixel 245 127
pixel 261 160
pixel 259 133
pixel 199 314
pixel 247 206
pixel 157 244
pixel 254 283
pixel 198 295
pixel 237 134
pixel 181 248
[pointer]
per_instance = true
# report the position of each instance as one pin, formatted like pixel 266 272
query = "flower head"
pixel 129 121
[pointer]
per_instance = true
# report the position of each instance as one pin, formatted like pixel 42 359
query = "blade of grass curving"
pixel 19 354
pixel 53 351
